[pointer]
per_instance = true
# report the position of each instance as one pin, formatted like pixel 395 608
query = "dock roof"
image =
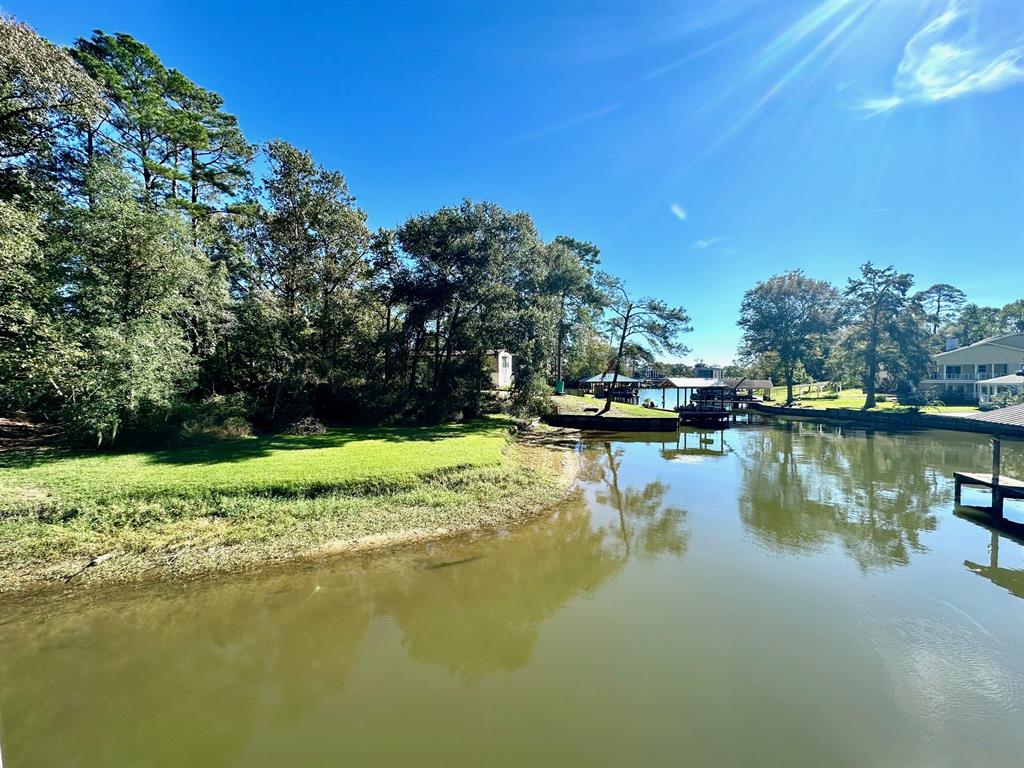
pixel 1010 378
pixel 606 378
pixel 672 382
pixel 1011 416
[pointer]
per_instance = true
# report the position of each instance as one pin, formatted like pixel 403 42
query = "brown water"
pixel 786 595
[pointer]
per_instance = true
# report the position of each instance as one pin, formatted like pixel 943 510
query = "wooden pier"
pixel 1001 486
pixel 705 417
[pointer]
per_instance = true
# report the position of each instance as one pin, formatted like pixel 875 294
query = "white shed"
pixel 499 362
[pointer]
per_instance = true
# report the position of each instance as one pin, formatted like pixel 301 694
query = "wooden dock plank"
pixel 987 480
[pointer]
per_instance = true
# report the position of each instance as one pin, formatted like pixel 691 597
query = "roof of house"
pixel 606 378
pixel 992 340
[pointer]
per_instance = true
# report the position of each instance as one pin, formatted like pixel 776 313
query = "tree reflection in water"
pixel 483 616
pixel 805 486
pixel 644 519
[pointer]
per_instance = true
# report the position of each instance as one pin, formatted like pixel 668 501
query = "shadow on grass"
pixel 245 449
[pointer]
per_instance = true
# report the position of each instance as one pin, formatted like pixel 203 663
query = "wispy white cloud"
pixel 678 211
pixel 701 245
pixel 690 57
pixel 941 62
pixel 571 122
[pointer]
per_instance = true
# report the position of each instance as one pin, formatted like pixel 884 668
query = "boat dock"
pixel 1001 486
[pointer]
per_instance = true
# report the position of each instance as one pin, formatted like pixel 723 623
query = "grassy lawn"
pixel 576 406
pixel 854 398
pixel 233 502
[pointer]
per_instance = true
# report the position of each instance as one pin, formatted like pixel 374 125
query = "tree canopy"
pixel 885 327
pixel 640 326
pixel 792 316
pixel 157 274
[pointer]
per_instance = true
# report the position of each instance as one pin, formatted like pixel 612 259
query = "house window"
pixel 983 371
pixel 952 371
pixel 505 362
pixel 998 369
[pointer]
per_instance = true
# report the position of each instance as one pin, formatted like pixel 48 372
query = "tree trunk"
pixel 195 198
pixel 277 400
pixel 90 151
pixel 787 374
pixel 414 364
pixel 869 384
pixel 618 361
pixel 437 350
pixel 387 347
pixel 174 178
pixel 872 373
pixel 561 341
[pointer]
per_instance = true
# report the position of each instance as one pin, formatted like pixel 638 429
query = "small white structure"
pixel 989 388
pixel 500 364
pixel 963 371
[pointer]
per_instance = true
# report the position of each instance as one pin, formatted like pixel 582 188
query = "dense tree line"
pixel 875 333
pixel 153 282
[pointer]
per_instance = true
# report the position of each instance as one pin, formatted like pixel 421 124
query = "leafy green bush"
pixel 531 397
pixel 218 416
pixel 1006 399
pixel 306 427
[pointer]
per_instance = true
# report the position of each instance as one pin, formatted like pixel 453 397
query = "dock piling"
pixel 1001 487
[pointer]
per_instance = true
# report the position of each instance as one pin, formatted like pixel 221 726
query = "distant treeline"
pixel 876 332
pixel 153 282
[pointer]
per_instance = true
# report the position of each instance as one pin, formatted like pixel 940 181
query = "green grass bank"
pixel 854 398
pixel 577 405
pixel 229 504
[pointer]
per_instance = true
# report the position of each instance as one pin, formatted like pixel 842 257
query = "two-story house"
pixel 977 371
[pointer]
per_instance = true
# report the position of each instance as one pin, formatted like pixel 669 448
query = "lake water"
pixel 665 398
pixel 775 595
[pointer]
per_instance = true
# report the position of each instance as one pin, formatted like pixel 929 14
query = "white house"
pixel 977 371
pixel 499 362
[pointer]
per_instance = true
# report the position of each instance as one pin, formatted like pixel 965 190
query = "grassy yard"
pixel 854 398
pixel 577 406
pixel 233 502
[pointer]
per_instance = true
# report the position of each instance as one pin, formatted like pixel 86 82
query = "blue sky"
pixel 703 147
